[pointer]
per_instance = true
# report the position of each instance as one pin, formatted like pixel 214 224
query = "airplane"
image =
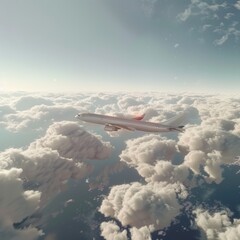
pixel 112 123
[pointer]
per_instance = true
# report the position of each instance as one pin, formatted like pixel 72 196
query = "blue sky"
pixel 127 45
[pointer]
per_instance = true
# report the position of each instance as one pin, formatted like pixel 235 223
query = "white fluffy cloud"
pixel 27 102
pixel 72 141
pixel 4 110
pixel 47 164
pixel 154 205
pixel 148 149
pixel 16 204
pixel 218 225
pixel 210 141
pixel 151 206
pixel 210 146
pixel 142 233
pixel 56 157
pixel 164 171
pixel 110 230
pixel 152 157
pixel 37 117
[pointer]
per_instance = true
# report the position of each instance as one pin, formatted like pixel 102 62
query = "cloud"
pixel 71 141
pixel 176 45
pixel 110 230
pixel 217 225
pixel 35 175
pixel 210 14
pixel 211 146
pixel 152 157
pixel 185 15
pixel 166 163
pixel 164 171
pixel 57 157
pixel 204 149
pixel 237 5
pixel 226 33
pixel 205 8
pixel 196 8
pixel 38 116
pixel 5 109
pixel 153 205
pixel 148 149
pixel 126 102
pixel 222 40
pixel 142 233
pixel 16 204
pixel 27 102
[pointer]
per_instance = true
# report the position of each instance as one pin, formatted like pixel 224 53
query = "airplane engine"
pixel 110 128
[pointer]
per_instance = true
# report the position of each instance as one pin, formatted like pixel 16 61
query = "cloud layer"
pixel 45 166
pixel 170 166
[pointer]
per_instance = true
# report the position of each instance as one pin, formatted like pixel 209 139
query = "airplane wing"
pixel 113 127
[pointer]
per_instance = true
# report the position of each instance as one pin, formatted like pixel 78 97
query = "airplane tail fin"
pixel 176 122
pixel 139 117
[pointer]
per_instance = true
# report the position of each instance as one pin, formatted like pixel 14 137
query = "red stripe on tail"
pixel 139 117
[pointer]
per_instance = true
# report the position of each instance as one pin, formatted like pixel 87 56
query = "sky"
pixel 127 45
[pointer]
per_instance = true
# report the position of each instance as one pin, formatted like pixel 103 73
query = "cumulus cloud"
pixel 148 149
pixel 209 143
pixel 46 165
pixel 38 116
pixel 206 148
pixel 217 225
pixel 5 109
pixel 154 205
pixel 142 233
pixel 166 163
pixel 71 141
pixel 57 157
pixel 27 102
pixel 210 147
pixel 110 230
pixel 164 171
pixel 16 204
pixel 126 101
pixel 152 156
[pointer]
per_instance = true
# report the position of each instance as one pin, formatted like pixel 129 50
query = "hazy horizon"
pixel 126 45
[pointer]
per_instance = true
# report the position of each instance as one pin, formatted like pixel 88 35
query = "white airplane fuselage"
pixel 115 123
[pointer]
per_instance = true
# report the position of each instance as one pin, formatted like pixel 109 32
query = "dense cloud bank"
pixel 46 165
pixel 169 165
